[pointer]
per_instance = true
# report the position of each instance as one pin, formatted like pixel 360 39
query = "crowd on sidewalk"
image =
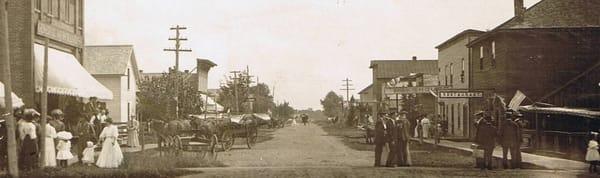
pixel 86 127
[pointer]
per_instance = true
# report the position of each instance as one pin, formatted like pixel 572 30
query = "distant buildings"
pixel 115 66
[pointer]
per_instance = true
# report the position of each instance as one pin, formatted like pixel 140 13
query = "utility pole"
pixel 347 84
pixel 13 169
pixel 235 78
pixel 177 48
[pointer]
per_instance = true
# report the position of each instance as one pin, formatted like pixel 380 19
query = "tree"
pixel 159 96
pixel 262 103
pixel 332 104
pixel 409 105
pixel 263 100
pixel 283 110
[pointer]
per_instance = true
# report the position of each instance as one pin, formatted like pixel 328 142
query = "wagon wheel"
pixel 227 140
pixel 170 144
pixel 251 135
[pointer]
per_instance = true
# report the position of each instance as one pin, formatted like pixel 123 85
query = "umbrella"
pixel 64 135
pixel 16 101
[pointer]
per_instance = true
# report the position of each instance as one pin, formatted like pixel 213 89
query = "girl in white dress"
pixel 592 155
pixel 64 148
pixel 49 150
pixel 111 155
pixel 88 154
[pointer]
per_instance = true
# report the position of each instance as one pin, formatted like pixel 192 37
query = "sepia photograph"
pixel 299 88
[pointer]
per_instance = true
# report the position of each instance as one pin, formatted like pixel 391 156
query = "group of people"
pixel 508 135
pixel 393 130
pixel 81 127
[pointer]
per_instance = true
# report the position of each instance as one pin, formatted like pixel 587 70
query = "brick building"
pixel 550 53
pixel 453 73
pixel 61 23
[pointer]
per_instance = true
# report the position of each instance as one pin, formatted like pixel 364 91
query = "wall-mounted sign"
pixel 55 33
pixel 461 94
pixel 412 90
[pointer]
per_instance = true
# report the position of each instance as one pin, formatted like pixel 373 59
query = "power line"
pixel 347 84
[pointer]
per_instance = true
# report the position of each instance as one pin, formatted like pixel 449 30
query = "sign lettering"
pixel 60 35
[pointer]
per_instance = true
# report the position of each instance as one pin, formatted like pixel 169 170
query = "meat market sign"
pixel 460 94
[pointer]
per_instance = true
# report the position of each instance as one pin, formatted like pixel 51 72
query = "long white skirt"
pixel 50 152
pixel 111 155
pixel 134 141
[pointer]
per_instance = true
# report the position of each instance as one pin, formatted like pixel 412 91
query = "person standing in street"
pixel 391 135
pixel 402 140
pixel 480 116
pixel 426 124
pixel 486 138
pixel 592 156
pixel 380 140
pixel 134 126
pixel 510 139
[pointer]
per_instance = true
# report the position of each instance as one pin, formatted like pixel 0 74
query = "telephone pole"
pixel 235 78
pixel 177 48
pixel 13 169
pixel 347 84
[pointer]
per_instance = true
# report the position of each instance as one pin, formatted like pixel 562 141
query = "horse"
pixel 165 130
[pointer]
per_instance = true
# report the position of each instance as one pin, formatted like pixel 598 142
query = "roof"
pixel 459 36
pixel 553 14
pixel 394 68
pixel 109 59
pixel 206 61
pixel 562 110
pixel 366 89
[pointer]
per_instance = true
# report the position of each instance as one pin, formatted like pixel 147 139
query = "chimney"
pixel 519 9
pixel 414 58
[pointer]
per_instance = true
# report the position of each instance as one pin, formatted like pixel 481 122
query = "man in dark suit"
pixel 402 137
pixel 391 135
pixel 510 139
pixel 380 138
pixel 480 116
pixel 486 138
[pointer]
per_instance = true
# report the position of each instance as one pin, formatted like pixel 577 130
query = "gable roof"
pixel 558 14
pixel 366 89
pixel 109 59
pixel 459 36
pixel 552 14
pixel 394 68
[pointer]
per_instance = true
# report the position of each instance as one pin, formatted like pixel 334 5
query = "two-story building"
pixel 453 73
pixel 115 66
pixel 57 25
pixel 550 53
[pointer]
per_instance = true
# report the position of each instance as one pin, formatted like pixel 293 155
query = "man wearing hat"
pixel 380 140
pixel 510 139
pixel 480 116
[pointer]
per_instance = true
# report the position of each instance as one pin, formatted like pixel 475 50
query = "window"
pixel 128 79
pixel 38 5
pixel 128 111
pixel 462 72
pixel 451 75
pixel 445 75
pixel 439 73
pixel 481 58
pixel 493 61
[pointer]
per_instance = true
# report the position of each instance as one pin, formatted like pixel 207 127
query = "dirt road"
pixel 297 146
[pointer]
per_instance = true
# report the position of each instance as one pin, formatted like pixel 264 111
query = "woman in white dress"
pixel 110 155
pixel 49 149
pixel 134 126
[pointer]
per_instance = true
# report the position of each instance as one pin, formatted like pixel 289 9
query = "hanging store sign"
pixel 460 94
pixel 60 35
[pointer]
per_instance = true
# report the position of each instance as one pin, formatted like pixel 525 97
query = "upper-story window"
pixel 38 5
pixel 128 79
pixel 481 57
pixel 462 72
pixel 451 75
pixel 493 61
pixel 438 77
pixel 446 75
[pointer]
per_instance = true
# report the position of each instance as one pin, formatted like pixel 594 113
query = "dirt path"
pixel 297 146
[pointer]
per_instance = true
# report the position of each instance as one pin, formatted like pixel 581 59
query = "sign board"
pixel 411 90
pixel 460 94
pixel 55 33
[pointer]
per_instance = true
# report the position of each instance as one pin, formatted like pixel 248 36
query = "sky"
pixel 301 48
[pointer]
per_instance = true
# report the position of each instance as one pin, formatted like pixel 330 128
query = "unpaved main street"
pixel 307 151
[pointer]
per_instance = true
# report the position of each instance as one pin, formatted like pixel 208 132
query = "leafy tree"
pixel 283 110
pixel 158 96
pixel 263 101
pixel 332 104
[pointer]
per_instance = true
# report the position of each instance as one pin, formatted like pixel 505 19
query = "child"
pixel 88 154
pixel 64 148
pixel 592 155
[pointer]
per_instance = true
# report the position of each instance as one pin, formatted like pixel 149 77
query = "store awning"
pixel 562 110
pixel 16 101
pixel 66 76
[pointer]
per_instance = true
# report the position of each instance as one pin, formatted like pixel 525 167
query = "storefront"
pixel 453 108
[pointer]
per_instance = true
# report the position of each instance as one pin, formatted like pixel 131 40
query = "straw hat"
pixel 64 135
